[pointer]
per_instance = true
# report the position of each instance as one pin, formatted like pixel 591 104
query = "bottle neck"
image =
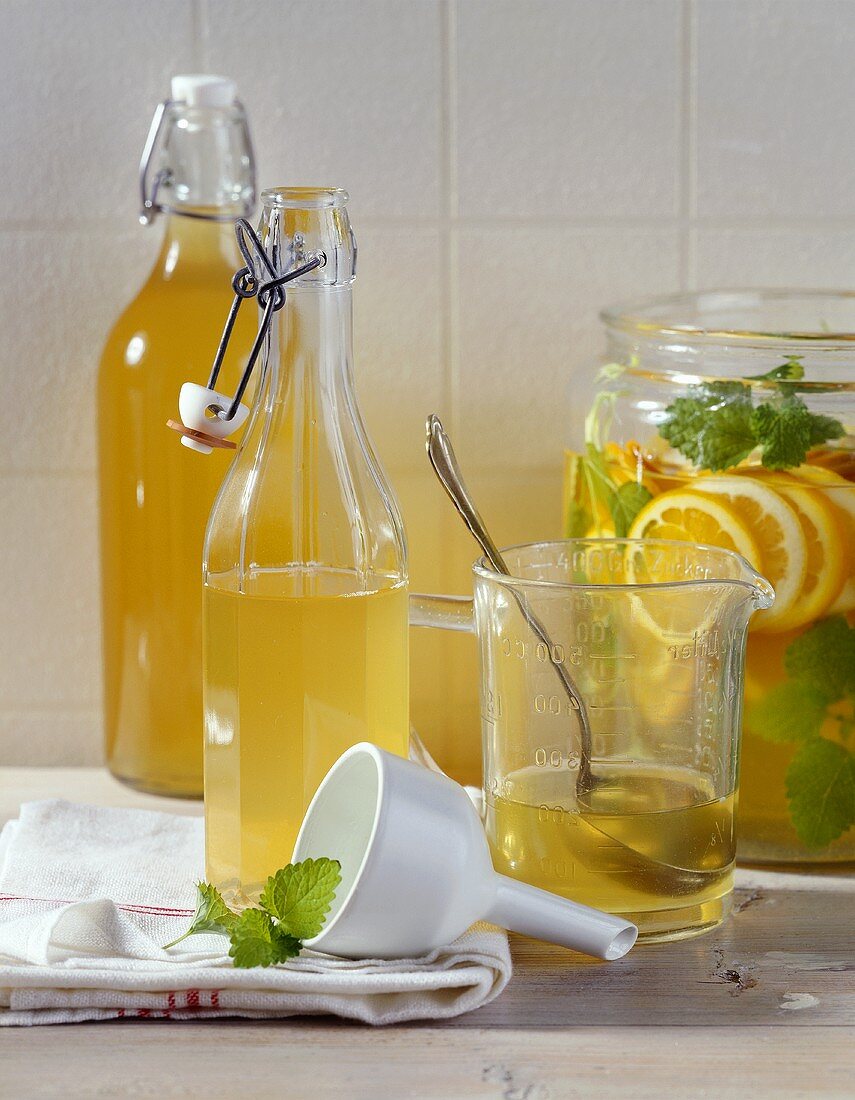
pixel 196 248
pixel 205 167
pixel 310 367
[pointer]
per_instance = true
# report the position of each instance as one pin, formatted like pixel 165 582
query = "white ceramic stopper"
pixel 193 404
pixel 203 90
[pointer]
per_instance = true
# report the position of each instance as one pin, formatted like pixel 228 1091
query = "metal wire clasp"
pixel 248 282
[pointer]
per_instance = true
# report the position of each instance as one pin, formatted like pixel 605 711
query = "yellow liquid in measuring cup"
pixel 291 681
pixel 155 499
pixel 650 843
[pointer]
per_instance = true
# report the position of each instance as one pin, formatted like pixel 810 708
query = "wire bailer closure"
pixel 250 282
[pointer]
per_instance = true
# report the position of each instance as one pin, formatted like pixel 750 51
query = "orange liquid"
pixel 155 500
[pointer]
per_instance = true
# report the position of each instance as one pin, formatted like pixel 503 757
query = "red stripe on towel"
pixel 148 910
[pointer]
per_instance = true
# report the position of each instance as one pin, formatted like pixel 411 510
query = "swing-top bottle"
pixel 155 497
pixel 305 577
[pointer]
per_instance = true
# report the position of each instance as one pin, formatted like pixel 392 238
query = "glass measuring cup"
pixel 627 804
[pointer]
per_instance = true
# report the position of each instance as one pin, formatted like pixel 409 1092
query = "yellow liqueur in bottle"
pixel 295 679
pixel 155 497
pixel 305 580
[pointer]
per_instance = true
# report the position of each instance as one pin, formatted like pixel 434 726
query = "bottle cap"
pixel 203 90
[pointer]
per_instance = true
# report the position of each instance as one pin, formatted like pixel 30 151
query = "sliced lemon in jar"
pixel 775 525
pixel 687 515
pixel 826 562
pixel 839 493
pixel 682 616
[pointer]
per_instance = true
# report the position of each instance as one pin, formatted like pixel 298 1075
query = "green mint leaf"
pixel 712 424
pixel 790 369
pixel 823 428
pixel 257 941
pixel 299 896
pixel 824 656
pixel 787 429
pixel 783 430
pixel 792 711
pixel 820 786
pixel 212 914
pixel 577 522
pixel 727 437
pixel 686 417
pixel 625 504
pixel 715 426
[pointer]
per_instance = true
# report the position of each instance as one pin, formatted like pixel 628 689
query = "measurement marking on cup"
pixel 613 656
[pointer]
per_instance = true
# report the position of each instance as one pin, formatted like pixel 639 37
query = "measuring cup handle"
pixel 444 612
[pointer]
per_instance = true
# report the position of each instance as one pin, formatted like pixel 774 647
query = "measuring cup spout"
pixel 764 593
pixel 544 916
pixel 761 593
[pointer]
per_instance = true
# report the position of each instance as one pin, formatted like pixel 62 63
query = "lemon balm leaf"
pixel 577 521
pixel 212 914
pixel 258 941
pixel 823 428
pixel 792 711
pixel 784 432
pixel 820 787
pixel 824 656
pixel 717 426
pixel 711 426
pixel 625 504
pixel 726 438
pixel 791 369
pixel 299 895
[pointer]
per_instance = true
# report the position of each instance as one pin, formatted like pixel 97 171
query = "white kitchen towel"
pixel 88 895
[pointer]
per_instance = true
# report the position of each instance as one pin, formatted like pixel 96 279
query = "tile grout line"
pixel 200 36
pixel 448 112
pixel 688 142
pixel 546 221
pixel 448 238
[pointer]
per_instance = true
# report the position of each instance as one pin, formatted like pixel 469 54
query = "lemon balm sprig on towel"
pixel 292 908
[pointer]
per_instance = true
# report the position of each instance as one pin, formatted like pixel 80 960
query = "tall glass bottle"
pixel 155 496
pixel 305 574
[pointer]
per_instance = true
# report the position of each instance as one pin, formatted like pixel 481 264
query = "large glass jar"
pixel 727 417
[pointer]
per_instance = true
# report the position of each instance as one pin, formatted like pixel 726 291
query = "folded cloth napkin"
pixel 88 895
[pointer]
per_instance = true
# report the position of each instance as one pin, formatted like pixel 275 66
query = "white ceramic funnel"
pixel 416 869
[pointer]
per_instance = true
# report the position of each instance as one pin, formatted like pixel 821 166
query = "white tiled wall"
pixel 514 166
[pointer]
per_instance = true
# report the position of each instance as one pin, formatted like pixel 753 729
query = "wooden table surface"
pixel 763 1006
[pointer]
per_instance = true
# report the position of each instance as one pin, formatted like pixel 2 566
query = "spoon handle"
pixel 444 461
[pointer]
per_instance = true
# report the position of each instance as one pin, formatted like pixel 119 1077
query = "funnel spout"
pixel 544 916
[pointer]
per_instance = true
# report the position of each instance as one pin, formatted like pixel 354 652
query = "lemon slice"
pixel 839 493
pixel 688 515
pixel 775 525
pixel 683 616
pixel 826 562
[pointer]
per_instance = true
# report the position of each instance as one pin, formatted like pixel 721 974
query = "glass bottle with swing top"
pixel 305 564
pixel 197 175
